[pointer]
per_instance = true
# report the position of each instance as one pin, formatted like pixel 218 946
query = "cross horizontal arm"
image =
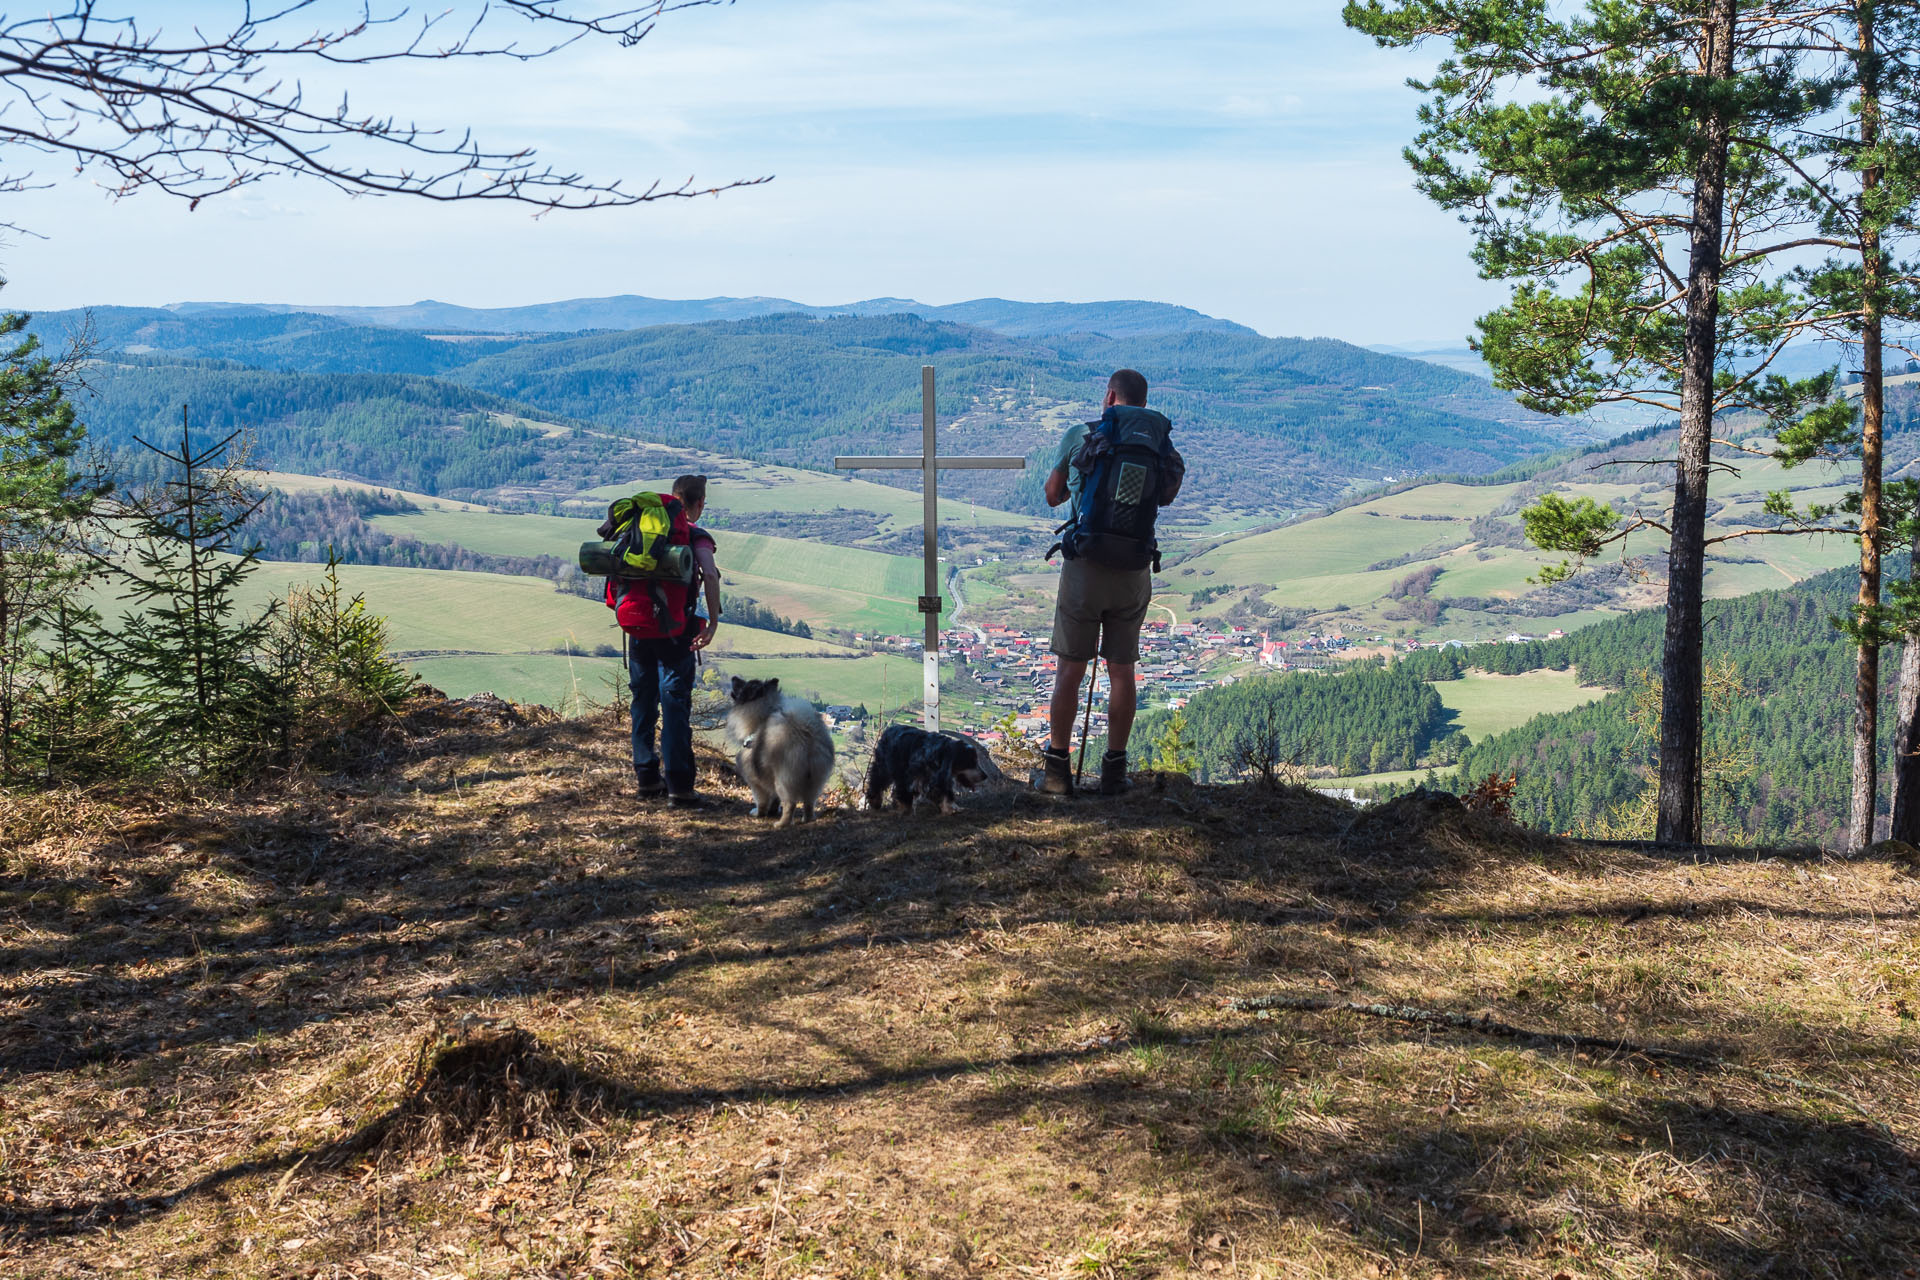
pixel 883 464
pixel 944 463
pixel 981 464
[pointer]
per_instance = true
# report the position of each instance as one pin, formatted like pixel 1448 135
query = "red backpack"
pixel 652 608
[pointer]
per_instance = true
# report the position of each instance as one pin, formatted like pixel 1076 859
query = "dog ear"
pixel 773 686
pixel 737 682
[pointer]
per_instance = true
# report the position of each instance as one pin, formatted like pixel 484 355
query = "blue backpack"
pixel 1127 464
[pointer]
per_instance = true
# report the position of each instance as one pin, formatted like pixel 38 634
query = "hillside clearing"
pixel 289 482
pixel 1484 704
pixel 479 1014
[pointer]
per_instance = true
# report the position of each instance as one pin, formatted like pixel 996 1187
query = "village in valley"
pixel 1004 674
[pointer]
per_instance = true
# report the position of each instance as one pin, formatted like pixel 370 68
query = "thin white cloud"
pixel 1238 157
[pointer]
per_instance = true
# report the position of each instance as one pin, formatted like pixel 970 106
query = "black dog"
pixel 914 762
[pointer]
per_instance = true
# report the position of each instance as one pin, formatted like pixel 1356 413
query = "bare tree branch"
pixel 200 114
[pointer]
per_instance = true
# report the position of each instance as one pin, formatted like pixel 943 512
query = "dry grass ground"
pixel 477 1012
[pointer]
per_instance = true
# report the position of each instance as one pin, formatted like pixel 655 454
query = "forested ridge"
pixel 410 432
pixel 1784 777
pixel 1367 718
pixel 1252 411
pixel 1274 422
pixel 312 527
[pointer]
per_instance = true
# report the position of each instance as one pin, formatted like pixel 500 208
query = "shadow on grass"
pixel 466 1089
pixel 229 926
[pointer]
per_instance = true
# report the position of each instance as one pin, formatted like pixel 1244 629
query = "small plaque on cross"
pixel 930 463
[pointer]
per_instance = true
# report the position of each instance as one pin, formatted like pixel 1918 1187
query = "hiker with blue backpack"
pixel 657 561
pixel 1118 473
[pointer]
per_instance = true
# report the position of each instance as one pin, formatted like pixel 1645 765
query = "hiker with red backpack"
pixel 658 560
pixel 1118 473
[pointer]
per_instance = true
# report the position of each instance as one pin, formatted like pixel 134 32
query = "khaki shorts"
pixel 1100 609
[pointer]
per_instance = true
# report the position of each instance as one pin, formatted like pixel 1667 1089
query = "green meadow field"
pixel 1484 704
pixel 569 685
pixel 436 610
pixel 752 488
pixel 466 633
pixel 1320 564
pixel 495 533
pixel 841 586
pixel 886 684
pixel 847 587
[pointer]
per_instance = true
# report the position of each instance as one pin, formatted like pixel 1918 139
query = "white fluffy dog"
pixel 785 751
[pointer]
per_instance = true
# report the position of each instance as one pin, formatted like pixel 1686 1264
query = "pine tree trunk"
pixel 1906 735
pixel 1681 727
pixel 7 675
pixel 1866 675
pixel 1866 680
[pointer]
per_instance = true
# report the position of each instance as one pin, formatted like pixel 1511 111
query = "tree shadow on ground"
pixel 468 1088
pixel 1731 1191
pixel 503 866
pixel 235 926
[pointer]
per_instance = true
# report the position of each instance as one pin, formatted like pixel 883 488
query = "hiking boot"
pixel 1059 773
pixel 1113 774
pixel 648 782
pixel 685 800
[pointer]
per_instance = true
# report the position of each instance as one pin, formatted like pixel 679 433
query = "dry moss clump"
pixel 470 1088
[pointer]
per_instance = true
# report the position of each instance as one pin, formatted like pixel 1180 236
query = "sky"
pixel 1241 157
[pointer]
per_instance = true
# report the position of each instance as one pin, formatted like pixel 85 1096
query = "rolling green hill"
pixel 472 632
pixel 1274 423
pixel 845 587
pixel 1448 559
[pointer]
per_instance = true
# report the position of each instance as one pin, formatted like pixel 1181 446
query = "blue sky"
pixel 1237 157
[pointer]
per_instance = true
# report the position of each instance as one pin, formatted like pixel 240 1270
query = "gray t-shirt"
pixel 1070 445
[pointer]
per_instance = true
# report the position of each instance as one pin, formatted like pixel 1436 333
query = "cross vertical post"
pixel 930 601
pixel 929 464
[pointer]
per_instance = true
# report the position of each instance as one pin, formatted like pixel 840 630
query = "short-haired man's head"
pixel 691 490
pixel 1128 387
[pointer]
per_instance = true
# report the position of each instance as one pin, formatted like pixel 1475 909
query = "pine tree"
pixel 1617 161
pixel 45 495
pixel 76 725
pixel 1172 751
pixel 1861 179
pixel 199 695
pixel 325 667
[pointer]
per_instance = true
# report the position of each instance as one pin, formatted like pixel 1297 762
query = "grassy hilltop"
pixel 468 1011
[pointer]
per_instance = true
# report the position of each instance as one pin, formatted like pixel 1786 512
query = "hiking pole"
pixel 1086 722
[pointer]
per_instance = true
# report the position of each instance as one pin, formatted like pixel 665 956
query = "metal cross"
pixel 930 463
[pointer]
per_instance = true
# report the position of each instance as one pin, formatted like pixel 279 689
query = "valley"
pixel 486 458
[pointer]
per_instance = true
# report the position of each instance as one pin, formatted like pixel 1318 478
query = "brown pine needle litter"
pixel 469 1008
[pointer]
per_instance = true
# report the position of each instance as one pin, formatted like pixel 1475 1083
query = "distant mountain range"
pixel 631 311
pixel 1277 423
